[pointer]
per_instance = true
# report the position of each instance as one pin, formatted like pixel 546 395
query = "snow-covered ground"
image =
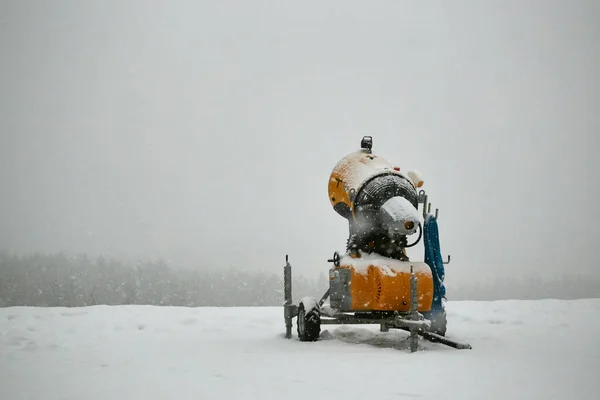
pixel 546 349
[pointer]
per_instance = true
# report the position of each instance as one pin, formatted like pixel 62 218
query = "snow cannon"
pixel 379 201
pixel 374 281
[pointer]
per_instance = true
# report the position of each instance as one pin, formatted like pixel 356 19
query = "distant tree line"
pixel 51 280
pixel 59 280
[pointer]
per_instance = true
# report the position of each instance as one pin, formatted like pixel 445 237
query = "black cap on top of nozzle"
pixel 367 143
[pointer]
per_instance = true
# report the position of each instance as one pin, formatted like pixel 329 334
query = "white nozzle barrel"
pixel 400 215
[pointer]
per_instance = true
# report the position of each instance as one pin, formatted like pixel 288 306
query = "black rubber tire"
pixel 308 324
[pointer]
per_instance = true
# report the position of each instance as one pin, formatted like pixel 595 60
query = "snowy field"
pixel 546 349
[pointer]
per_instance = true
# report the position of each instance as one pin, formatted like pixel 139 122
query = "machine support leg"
pixel 414 314
pixel 287 294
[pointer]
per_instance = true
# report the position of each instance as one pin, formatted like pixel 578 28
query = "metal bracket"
pixel 446 262
pixel 324 297
pixel 422 199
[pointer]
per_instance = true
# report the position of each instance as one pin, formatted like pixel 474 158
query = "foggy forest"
pixel 61 280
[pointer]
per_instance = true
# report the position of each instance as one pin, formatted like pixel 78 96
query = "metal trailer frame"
pixel 412 321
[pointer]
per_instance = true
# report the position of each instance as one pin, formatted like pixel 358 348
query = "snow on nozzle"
pixel 400 215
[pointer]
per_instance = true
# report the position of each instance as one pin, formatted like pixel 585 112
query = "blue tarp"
pixel 433 257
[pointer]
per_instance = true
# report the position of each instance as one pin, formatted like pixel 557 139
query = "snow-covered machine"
pixel 374 281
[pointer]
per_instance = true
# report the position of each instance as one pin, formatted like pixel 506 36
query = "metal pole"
pixel 287 294
pixel 414 312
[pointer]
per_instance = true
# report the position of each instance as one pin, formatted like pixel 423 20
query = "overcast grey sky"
pixel 205 132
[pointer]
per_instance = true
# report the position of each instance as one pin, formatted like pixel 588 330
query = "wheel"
pixel 309 323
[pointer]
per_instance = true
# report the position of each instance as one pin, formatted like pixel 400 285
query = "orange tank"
pixel 376 283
